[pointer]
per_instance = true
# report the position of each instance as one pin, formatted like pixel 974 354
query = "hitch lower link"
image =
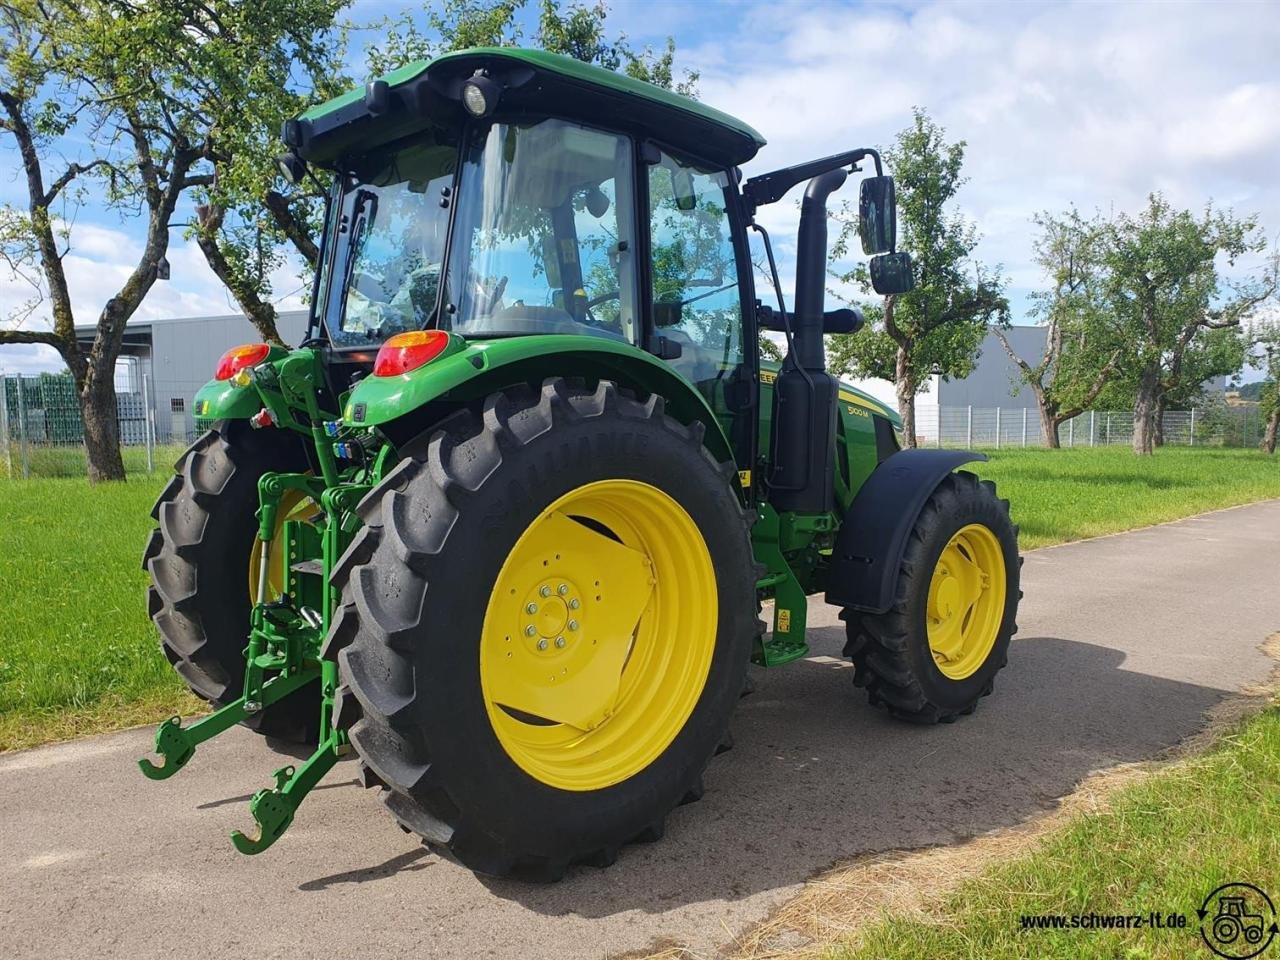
pixel 283 656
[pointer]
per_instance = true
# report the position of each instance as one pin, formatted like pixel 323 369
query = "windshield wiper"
pixel 363 211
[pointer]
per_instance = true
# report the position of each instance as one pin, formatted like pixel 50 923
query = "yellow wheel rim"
pixel 599 635
pixel 294 505
pixel 966 601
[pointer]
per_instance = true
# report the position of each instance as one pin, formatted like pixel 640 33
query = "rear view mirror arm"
pixel 771 187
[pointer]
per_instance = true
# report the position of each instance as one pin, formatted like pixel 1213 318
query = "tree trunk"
pixel 1159 432
pixel 905 381
pixel 101 431
pixel 1144 410
pixel 1269 437
pixel 261 314
pixel 1049 424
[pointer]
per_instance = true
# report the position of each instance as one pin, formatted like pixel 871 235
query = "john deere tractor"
pixel 503 525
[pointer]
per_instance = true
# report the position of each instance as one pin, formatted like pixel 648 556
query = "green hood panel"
pixel 485 366
pixel 223 400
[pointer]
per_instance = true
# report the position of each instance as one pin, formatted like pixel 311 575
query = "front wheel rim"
pixel 599 635
pixel 966 601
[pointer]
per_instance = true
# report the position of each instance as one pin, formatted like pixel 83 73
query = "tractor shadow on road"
pixel 818 776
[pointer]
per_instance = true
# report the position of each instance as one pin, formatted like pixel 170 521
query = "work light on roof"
pixel 479 95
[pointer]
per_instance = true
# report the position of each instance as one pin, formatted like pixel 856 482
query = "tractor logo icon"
pixel 1238 921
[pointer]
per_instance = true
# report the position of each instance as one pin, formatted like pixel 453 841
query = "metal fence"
pixel 42 433
pixel 998 427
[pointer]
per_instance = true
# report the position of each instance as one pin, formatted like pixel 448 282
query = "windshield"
pixel 395 217
pixel 545 237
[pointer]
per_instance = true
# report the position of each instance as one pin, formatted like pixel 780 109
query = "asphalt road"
pixel 1125 642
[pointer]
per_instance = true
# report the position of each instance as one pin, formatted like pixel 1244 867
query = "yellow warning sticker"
pixel 782 622
pixel 744 477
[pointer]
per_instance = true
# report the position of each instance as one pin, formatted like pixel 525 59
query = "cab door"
pixel 695 300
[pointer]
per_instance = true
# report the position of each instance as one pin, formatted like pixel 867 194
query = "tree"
pixel 939 326
pixel 1266 341
pixel 84 68
pixel 1081 347
pixel 1165 290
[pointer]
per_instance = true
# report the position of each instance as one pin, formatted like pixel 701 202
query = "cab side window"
pixel 696 300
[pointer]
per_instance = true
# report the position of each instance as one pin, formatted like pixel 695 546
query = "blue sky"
pixel 1092 104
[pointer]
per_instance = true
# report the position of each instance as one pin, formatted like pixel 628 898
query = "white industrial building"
pixel 167 361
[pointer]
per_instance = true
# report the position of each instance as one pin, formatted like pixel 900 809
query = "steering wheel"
pixel 614 326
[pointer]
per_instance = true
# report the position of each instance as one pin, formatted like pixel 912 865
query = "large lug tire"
pixel 198 559
pixel 935 653
pixel 430 579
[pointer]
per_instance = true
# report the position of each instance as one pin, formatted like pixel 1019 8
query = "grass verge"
pixel 78 654
pixel 1159 845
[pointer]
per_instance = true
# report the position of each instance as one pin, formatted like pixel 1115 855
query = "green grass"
pixel 1161 845
pixel 1059 495
pixel 78 654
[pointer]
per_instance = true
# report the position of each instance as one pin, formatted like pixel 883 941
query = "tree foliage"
pixel 1082 344
pixel 1178 316
pixel 90 72
pixel 939 326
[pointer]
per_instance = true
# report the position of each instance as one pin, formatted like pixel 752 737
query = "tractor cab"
pixel 498 193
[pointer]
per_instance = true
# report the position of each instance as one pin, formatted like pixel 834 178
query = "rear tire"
pixel 419 586
pixel 198 559
pixel 892 652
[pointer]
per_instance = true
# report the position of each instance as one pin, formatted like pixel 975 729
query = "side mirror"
pixel 682 189
pixel 877 215
pixel 667 313
pixel 892 273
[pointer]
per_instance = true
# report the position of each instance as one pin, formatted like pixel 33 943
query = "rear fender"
pixel 403 406
pixel 869 547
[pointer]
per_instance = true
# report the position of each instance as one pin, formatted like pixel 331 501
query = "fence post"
pixel 968 429
pixel 1071 432
pixel 148 428
pixel 4 427
pixel 1024 426
pixel 1092 416
pixel 997 428
pixel 1193 427
pixel 22 431
pixel 939 440
pixel 1107 442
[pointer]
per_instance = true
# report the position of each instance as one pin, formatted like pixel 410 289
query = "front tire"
pixel 494 686
pixel 934 654
pixel 199 558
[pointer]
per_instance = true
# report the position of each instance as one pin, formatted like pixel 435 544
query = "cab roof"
pixel 428 92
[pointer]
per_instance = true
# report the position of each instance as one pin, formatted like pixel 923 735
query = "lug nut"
pixel 573 624
pixel 542 644
pixel 562 589
pixel 531 608
pixel 559 642
pixel 574 604
pixel 544 591
pixel 529 631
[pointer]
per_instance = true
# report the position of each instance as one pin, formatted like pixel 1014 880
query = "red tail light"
pixel 409 351
pixel 237 358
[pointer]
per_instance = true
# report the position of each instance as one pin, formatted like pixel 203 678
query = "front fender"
pixel 486 366
pixel 868 549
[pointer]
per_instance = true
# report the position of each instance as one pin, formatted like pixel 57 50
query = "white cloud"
pixel 1092 104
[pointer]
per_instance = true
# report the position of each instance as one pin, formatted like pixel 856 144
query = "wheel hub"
pixel 966 601
pixel 599 634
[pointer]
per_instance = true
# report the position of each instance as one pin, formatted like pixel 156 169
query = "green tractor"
pixel 503 524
